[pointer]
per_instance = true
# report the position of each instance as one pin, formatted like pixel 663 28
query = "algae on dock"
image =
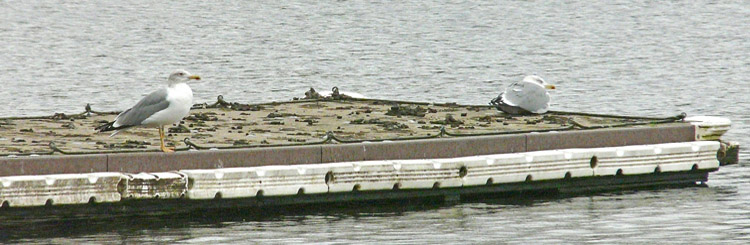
pixel 227 125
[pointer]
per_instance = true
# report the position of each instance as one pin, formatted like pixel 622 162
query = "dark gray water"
pixel 648 58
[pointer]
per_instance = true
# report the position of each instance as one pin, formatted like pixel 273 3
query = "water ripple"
pixel 625 57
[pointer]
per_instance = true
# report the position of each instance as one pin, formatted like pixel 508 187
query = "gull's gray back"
pixel 530 97
pixel 152 103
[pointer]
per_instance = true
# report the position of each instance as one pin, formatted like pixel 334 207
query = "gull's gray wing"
pixel 527 96
pixel 513 94
pixel 152 103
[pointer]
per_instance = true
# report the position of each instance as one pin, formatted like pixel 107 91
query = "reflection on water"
pixel 633 216
pixel 141 227
pixel 624 57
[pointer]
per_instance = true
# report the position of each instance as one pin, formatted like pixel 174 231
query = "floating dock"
pixel 337 150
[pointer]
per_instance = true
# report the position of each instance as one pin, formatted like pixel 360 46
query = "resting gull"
pixel 529 96
pixel 165 106
pixel 336 93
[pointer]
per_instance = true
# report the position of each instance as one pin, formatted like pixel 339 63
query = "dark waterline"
pixel 57 226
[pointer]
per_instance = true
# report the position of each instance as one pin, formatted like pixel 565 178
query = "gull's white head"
pixel 181 76
pixel 534 79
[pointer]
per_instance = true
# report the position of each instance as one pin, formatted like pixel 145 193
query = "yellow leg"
pixel 161 139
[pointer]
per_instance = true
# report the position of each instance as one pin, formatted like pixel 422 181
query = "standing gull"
pixel 529 96
pixel 165 106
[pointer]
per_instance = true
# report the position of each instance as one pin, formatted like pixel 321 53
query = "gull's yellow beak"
pixel 196 77
pixel 549 86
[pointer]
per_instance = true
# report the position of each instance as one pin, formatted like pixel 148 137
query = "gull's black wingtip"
pixel 110 127
pixel 105 127
pixel 509 109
